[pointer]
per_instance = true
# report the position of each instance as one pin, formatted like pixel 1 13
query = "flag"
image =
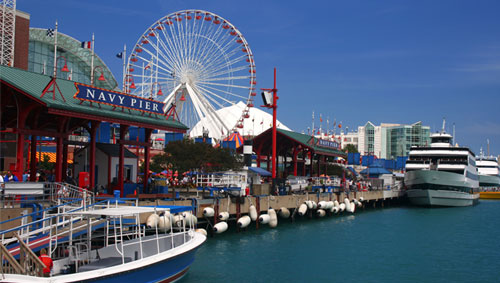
pixel 87 44
pixel 320 118
pixel 119 55
pixel 50 32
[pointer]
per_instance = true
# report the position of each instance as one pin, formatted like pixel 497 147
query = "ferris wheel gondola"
pixel 197 61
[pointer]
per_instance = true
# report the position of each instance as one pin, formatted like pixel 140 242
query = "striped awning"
pixel 52 157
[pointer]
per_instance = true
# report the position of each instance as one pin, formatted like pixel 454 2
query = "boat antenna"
pixel 444 124
pixel 488 144
pixel 453 138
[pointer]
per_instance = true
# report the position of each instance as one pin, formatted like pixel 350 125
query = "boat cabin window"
pixel 441 140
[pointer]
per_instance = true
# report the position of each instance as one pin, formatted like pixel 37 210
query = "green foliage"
pixel 186 155
pixel 44 164
pixel 350 148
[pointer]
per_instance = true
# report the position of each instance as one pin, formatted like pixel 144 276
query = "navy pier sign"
pixel 118 99
pixel 328 144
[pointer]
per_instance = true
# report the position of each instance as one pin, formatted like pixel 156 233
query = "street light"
pixel 65 67
pixel 101 77
pixel 159 93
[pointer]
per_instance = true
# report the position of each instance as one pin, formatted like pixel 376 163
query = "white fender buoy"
pixel 329 205
pixel 223 216
pixel 264 218
pixel 220 227
pixel 309 204
pixel 208 212
pixel 320 212
pixel 178 219
pixel 273 218
pixel 253 212
pixel 191 219
pixel 322 204
pixel 284 212
pixel 353 207
pixel 358 203
pixel 342 207
pixel 152 220
pixel 244 221
pixel 164 222
pixel 361 199
pixel 302 209
pixel 336 203
pixel 201 231
pixel 315 205
pixel 335 209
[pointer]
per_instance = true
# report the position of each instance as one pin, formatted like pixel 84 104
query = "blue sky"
pixel 381 61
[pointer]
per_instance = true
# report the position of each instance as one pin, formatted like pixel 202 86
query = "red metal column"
pixel 123 132
pixel 147 149
pixel 59 154
pixel 65 159
pixel 33 158
pixel 110 191
pixel 93 130
pixel 61 125
pixel 304 162
pixel 275 98
pixel 295 153
pixel 22 115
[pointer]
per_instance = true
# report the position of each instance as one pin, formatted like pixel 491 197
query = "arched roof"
pixel 73 46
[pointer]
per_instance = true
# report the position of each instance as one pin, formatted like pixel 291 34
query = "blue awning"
pixel 260 171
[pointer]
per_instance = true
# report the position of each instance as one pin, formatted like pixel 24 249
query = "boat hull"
pixel 438 188
pixel 489 181
pixel 489 195
pixel 169 266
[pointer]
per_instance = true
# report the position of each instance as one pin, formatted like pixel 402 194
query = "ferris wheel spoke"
pixel 225 72
pixel 209 109
pixel 232 94
pixel 197 59
pixel 215 96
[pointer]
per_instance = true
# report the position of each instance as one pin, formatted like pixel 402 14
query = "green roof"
pixel 310 141
pixel 33 84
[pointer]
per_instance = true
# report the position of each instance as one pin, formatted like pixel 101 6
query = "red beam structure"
pixel 26 111
pixel 94 125
pixel 147 149
pixel 123 132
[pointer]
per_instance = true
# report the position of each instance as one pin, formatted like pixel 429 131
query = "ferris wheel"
pixel 198 62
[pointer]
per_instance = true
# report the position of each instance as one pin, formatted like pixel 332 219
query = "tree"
pixel 186 155
pixel 350 148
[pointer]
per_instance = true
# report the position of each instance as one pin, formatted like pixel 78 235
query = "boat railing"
pixel 29 263
pixel 55 225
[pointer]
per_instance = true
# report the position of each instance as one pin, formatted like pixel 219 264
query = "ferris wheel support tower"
pixel 8 29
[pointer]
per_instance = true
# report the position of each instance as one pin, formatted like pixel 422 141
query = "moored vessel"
pixel 442 174
pixel 489 176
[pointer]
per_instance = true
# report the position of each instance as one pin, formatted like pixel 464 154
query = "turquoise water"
pixel 395 244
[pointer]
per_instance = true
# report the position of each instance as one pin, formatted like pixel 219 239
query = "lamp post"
pixel 101 77
pixel 159 92
pixel 127 87
pixel 274 106
pixel 65 67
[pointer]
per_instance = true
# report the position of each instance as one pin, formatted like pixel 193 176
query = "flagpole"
pixel 313 124
pixel 55 53
pixel 124 70
pixel 92 63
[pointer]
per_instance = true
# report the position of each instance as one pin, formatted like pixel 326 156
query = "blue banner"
pixel 118 99
pixel 328 144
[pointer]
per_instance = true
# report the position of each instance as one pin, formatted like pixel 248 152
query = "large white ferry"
pixel 488 170
pixel 442 174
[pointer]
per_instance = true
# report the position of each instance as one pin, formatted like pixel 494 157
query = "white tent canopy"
pixel 258 122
